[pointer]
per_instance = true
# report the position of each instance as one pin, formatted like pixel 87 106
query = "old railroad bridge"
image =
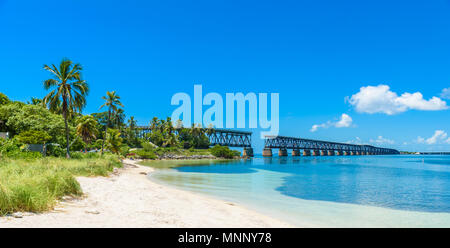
pixel 233 138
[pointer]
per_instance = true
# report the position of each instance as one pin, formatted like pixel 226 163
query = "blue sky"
pixel 313 53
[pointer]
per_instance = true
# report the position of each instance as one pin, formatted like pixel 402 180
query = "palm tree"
pixel 87 128
pixel 114 140
pixel 69 91
pixel 112 100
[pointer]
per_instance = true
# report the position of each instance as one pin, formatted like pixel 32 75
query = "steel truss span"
pixel 223 137
pixel 282 142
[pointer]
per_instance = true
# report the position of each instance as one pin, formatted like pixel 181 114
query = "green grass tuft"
pixel 35 185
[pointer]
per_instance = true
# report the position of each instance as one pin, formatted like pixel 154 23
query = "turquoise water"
pixel 339 191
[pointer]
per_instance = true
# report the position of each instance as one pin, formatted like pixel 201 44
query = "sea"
pixel 328 191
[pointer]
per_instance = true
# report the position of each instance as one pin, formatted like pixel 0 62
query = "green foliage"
pixel 4 99
pixel 36 185
pixel 12 148
pixel 163 133
pixel 9 146
pixel 113 140
pixel 68 92
pixel 20 118
pixel 141 153
pixel 194 137
pixel 55 150
pixel 87 128
pixel 33 137
pixel 223 152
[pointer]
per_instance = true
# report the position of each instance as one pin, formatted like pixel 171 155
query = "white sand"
pixel 130 199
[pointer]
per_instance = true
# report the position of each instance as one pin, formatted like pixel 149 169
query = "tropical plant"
pixel 69 93
pixel 114 141
pixel 87 129
pixel 112 100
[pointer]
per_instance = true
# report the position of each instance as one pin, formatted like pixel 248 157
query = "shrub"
pixel 55 150
pixel 223 152
pixel 33 137
pixel 146 154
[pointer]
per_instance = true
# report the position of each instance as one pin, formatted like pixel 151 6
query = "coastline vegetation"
pixel 35 185
pixel 45 143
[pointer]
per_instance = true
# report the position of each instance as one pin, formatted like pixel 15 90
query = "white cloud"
pixel 356 141
pixel 380 140
pixel 446 93
pixel 380 99
pixel 439 136
pixel 345 121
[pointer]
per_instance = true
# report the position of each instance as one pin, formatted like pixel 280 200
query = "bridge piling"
pixel 330 153
pixel 267 152
pixel 295 152
pixel 282 152
pixel 248 152
pixel 306 152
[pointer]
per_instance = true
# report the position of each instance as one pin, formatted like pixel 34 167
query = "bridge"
pixel 223 137
pixel 319 148
pixel 233 138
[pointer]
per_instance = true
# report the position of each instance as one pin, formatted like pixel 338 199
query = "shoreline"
pixel 127 198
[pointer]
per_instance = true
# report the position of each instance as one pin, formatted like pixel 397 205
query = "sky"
pixel 373 72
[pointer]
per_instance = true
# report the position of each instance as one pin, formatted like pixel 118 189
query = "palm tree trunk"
pixel 106 129
pixel 67 134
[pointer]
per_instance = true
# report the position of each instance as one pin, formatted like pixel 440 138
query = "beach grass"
pixel 35 185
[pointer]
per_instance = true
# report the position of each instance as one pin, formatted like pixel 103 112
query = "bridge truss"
pixel 283 142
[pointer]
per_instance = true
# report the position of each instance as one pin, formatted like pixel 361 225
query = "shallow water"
pixel 340 191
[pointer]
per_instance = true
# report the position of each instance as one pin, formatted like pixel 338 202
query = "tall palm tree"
pixel 87 128
pixel 112 100
pixel 69 91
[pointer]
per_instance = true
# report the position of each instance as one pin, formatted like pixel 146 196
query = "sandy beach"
pixel 127 198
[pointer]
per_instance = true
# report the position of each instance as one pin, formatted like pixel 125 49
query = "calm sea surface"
pixel 339 191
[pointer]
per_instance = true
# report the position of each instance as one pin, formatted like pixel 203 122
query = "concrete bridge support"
pixel 339 153
pixel 346 153
pixel 330 152
pixel 248 152
pixel 357 153
pixel 316 153
pixel 306 152
pixel 323 153
pixel 267 152
pixel 295 152
pixel 282 152
pixel 352 153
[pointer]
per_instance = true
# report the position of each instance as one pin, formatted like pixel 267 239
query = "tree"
pixel 19 117
pixel 69 93
pixel 35 101
pixel 87 128
pixel 114 141
pixel 4 99
pixel 33 137
pixel 118 119
pixel 112 100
